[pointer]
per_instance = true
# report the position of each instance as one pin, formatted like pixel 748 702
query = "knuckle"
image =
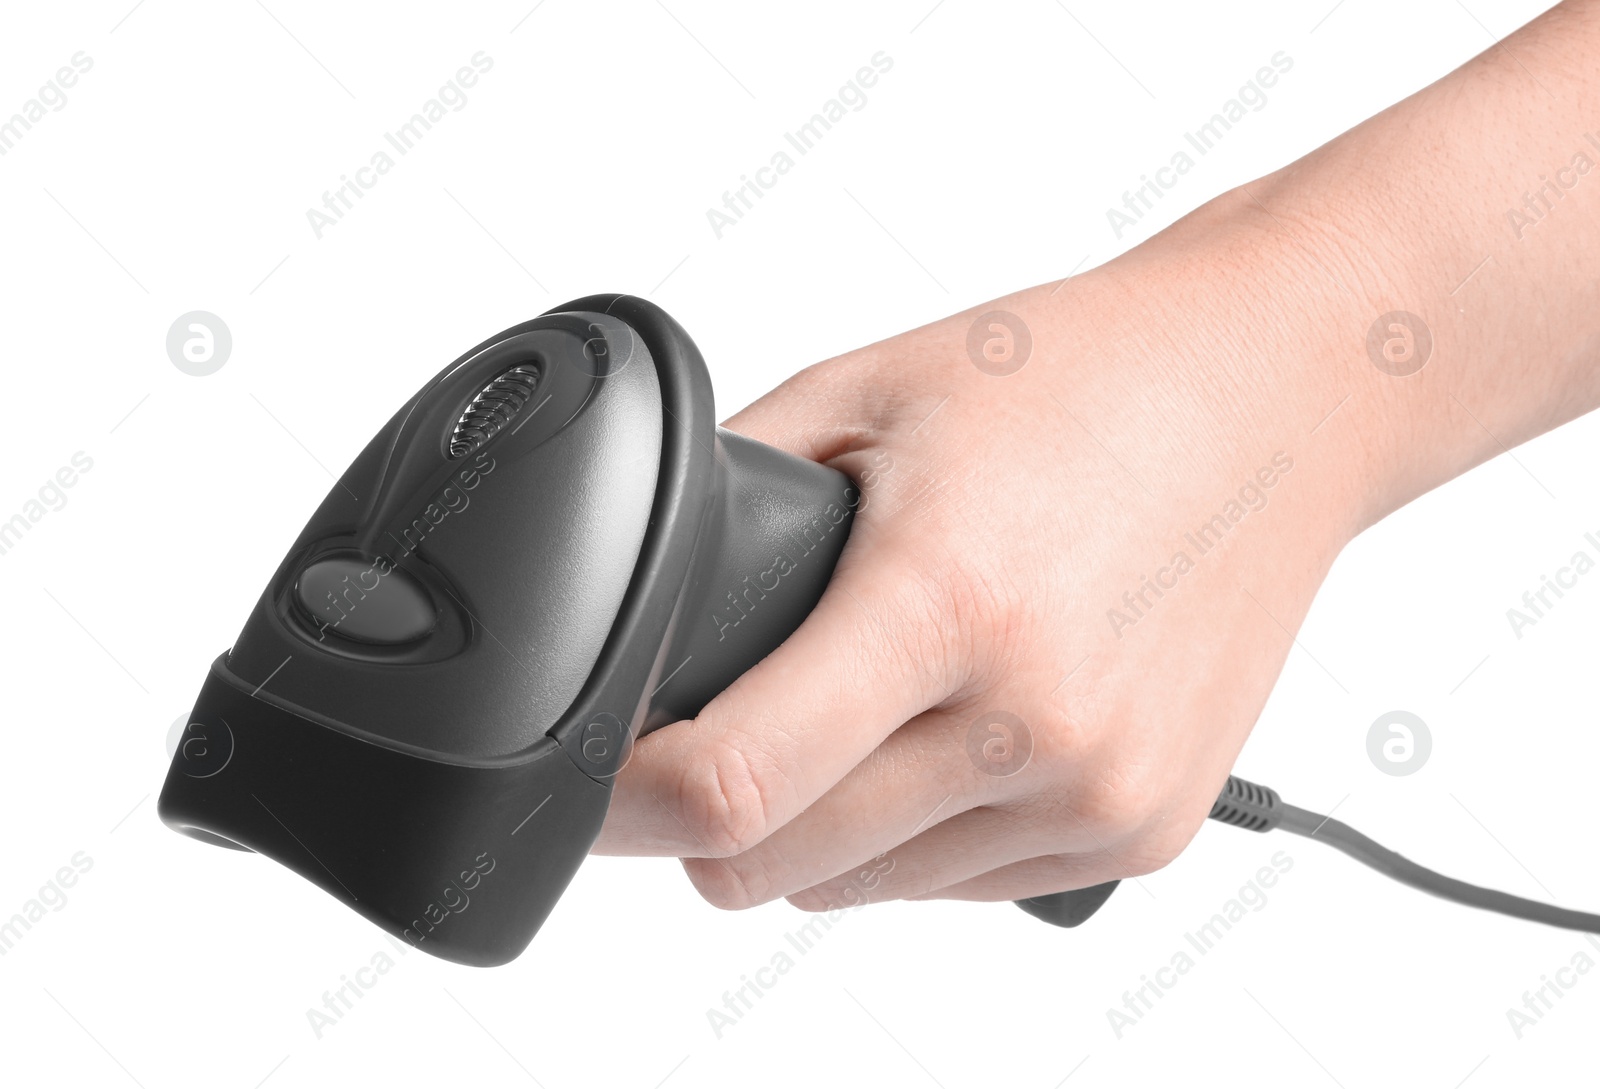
pixel 1141 818
pixel 1117 803
pixel 727 802
pixel 1167 836
pixel 1064 739
pixel 904 635
pixel 1154 853
pixel 984 615
pixel 926 618
pixel 1148 853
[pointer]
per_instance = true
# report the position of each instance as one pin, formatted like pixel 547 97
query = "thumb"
pixel 817 414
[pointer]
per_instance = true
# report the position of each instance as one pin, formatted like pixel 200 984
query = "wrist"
pixel 1231 329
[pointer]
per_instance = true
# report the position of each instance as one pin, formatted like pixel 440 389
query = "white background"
pixel 177 178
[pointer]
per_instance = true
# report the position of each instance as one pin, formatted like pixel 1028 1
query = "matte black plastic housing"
pixel 549 550
pixel 1070 908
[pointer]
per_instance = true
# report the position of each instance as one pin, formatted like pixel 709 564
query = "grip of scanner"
pixel 1068 908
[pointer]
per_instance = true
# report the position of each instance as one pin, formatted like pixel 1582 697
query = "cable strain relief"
pixel 1247 805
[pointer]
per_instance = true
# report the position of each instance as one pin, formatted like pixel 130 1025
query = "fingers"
pixel 873 654
pixel 950 852
pixel 1031 877
pixel 991 840
pixel 919 776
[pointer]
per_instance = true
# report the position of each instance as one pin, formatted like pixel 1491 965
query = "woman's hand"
pixel 1072 581
pixel 1071 587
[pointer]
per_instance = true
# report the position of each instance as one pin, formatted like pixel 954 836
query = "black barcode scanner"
pixel 548 551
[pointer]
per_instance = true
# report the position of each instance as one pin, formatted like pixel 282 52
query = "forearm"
pixel 1474 205
pixel 1430 202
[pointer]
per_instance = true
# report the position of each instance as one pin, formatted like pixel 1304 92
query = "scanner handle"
pixel 1068 908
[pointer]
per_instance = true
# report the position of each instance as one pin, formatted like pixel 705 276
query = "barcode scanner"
pixel 550 550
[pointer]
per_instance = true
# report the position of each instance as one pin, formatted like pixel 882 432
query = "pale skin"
pixel 1007 516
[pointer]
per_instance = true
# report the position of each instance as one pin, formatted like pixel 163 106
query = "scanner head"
pixel 549 550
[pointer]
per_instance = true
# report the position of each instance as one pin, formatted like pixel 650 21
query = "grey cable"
pixel 1256 808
